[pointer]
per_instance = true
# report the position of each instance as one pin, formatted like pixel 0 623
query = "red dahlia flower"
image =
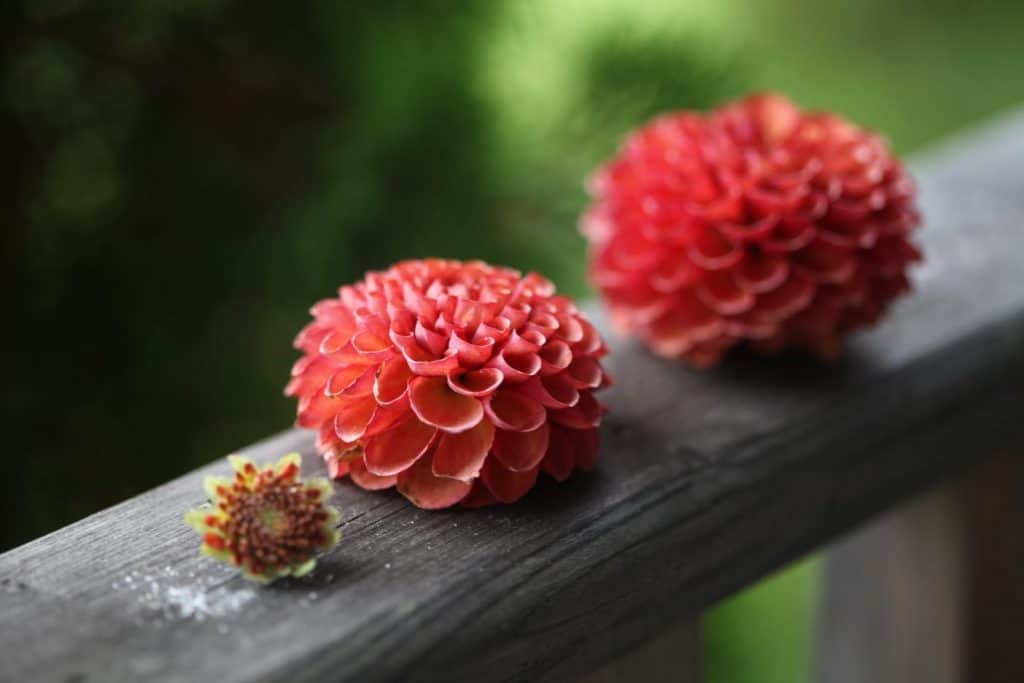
pixel 757 223
pixel 454 382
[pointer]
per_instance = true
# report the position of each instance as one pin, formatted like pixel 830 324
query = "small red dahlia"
pixel 756 223
pixel 454 382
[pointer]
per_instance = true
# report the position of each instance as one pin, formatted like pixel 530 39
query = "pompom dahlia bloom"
pixel 454 382
pixel 756 223
pixel 267 521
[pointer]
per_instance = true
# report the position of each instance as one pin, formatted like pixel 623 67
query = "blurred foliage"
pixel 184 178
pixel 765 634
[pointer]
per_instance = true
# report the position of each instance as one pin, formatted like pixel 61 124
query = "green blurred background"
pixel 183 178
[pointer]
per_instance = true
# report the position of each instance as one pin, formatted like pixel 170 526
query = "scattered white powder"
pixel 174 597
pixel 192 602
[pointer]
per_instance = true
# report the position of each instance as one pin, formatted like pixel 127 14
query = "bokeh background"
pixel 183 178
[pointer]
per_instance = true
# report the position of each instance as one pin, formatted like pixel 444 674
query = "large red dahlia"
pixel 451 381
pixel 756 223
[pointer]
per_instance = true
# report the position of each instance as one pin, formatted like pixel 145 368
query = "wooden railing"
pixel 708 481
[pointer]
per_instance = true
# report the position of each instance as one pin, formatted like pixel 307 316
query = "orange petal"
pixel 555 357
pixel 506 485
pixel 584 415
pixel 386 417
pixel 392 381
pixel 344 378
pixel 721 293
pixel 554 391
pixel 424 490
pixel 561 456
pixel 514 411
pixel 760 272
pixel 366 479
pixel 460 456
pixel 436 404
pixel 521 451
pixel 352 416
pixel 479 496
pixel 585 372
pixel 476 382
pixel 398 448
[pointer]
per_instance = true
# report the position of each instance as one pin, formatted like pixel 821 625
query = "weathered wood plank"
pixel 708 481
pixel 896 596
pixel 934 590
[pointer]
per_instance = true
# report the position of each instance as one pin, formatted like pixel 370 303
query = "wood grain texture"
pixel 932 591
pixel 708 481
pixel 896 596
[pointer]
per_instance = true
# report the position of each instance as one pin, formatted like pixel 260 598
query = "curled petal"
pixel 460 456
pixel 387 416
pixel 315 408
pixel 436 404
pixel 723 294
pixel 392 381
pixel 711 251
pixel 556 356
pixel 479 496
pixel 433 341
pixel 476 382
pixel 366 479
pixel 789 298
pixel 585 372
pixel 352 416
pixel 560 458
pixel 569 329
pixel 522 344
pixel 362 386
pixel 514 411
pixel 590 344
pixel 345 378
pixel 516 367
pixel 519 451
pixel 396 449
pixel 425 490
pixel 473 353
pixel 507 485
pixel 584 415
pixel 760 272
pixel 449 362
pixel 372 345
pixel 554 391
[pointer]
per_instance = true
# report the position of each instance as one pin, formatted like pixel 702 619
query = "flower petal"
pixel 561 455
pixel 476 382
pixel 479 496
pixel 398 448
pixel 424 490
pixel 514 411
pixel 506 485
pixel 554 391
pixel 436 404
pixel 352 416
pixel 387 416
pixel 584 415
pixel 519 451
pixel 392 381
pixel 585 372
pixel 460 456
pixel 366 479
